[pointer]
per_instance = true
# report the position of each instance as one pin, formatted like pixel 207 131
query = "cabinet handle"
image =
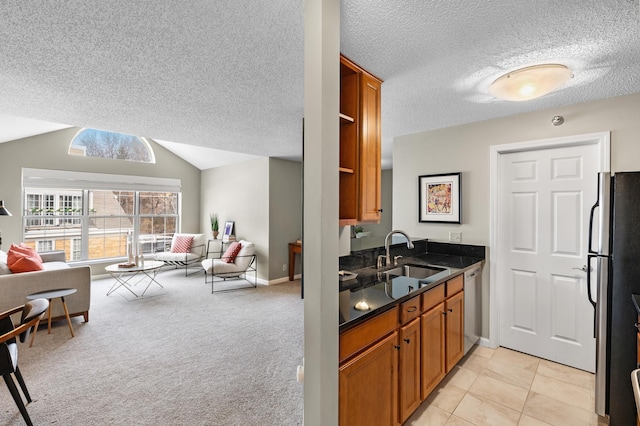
pixel 444 313
pixel 407 340
pixel 414 308
pixel 450 310
pixel 397 347
pixel 380 210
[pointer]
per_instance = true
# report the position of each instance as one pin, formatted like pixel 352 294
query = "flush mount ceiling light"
pixel 530 82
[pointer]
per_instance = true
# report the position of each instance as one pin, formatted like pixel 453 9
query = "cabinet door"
pixel 454 308
pixel 409 376
pixel 370 140
pixel 369 386
pixel 432 341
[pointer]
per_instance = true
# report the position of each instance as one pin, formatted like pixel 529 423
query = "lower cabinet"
pixel 369 386
pixel 393 361
pixel 409 376
pixel 454 308
pixel 433 362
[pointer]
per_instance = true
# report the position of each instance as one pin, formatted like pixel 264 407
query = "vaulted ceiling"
pixel 228 75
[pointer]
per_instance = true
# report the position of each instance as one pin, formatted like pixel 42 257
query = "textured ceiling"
pixel 229 74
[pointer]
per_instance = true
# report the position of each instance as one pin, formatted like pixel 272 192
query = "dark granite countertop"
pixel 382 293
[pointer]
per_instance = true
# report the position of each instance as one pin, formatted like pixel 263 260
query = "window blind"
pixel 43 178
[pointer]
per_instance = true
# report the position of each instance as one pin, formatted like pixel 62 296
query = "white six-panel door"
pixel 543 204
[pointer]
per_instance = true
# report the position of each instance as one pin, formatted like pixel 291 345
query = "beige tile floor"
pixel 497 387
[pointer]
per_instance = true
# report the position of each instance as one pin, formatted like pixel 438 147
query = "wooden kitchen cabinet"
pixel 370 141
pixel 409 369
pixel 368 393
pixel 392 362
pixel 360 140
pixel 454 335
pixel 433 348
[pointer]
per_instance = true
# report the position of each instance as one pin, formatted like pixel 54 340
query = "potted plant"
pixel 360 232
pixel 214 224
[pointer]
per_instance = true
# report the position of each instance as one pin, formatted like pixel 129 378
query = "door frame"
pixel 603 142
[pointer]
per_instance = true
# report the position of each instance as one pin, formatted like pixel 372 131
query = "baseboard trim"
pixel 282 280
pixel 485 343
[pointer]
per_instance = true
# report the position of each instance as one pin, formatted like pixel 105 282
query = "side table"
pixel 293 249
pixel 50 295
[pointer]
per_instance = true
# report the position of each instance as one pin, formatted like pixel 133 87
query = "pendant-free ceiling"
pixel 530 82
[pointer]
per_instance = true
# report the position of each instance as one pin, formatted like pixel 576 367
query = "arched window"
pixel 103 144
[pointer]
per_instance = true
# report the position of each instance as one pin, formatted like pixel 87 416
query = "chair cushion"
pixel 23 259
pixel 175 257
pixel 243 260
pixel 221 268
pixel 231 253
pixel 181 243
pixel 12 352
pixel 32 309
pixel 199 241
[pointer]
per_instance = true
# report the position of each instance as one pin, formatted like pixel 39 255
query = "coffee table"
pixel 50 295
pixel 123 276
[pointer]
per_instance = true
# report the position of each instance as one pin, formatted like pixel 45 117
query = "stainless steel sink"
pixel 414 271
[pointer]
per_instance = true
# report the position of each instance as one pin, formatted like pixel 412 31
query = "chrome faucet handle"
pixel 380 259
pixel 395 260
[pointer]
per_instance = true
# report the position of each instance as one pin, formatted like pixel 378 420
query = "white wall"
pixel 240 192
pixel 264 199
pixel 386 189
pixel 285 214
pixel 466 149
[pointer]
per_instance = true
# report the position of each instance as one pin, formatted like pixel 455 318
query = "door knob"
pixel 583 269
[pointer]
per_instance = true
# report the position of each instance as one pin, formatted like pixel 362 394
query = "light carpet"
pixel 178 356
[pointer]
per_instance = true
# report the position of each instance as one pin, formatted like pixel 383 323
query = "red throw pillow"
pixel 19 261
pixel 232 252
pixel 23 248
pixel 182 244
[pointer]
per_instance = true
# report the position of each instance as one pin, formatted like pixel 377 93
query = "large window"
pixel 92 222
pixel 116 146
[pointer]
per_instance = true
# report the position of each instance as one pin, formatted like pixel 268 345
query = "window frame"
pixel 78 150
pixel 76 224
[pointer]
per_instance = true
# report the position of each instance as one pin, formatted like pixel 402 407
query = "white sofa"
pixel 14 288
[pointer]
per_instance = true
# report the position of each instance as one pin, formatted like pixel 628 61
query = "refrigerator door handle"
pixel 590 296
pixel 589 258
pixel 591 215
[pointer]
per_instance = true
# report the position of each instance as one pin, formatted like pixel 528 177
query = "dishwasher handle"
pixel 471 273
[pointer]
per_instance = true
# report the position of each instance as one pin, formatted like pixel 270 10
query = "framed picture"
pixel 439 198
pixel 228 228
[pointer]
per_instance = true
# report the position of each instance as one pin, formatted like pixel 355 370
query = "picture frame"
pixel 439 198
pixel 228 228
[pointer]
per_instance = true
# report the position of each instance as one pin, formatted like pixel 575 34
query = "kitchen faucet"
pixel 387 242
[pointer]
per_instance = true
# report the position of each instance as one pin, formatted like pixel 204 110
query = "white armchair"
pixel 186 250
pixel 233 268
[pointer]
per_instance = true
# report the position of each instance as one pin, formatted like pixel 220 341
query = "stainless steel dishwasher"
pixel 472 307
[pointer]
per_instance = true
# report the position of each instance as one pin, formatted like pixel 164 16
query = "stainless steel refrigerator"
pixel 614 258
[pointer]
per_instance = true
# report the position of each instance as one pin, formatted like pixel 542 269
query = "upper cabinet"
pixel 360 140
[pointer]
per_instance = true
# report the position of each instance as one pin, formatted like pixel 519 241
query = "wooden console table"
pixel 293 249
